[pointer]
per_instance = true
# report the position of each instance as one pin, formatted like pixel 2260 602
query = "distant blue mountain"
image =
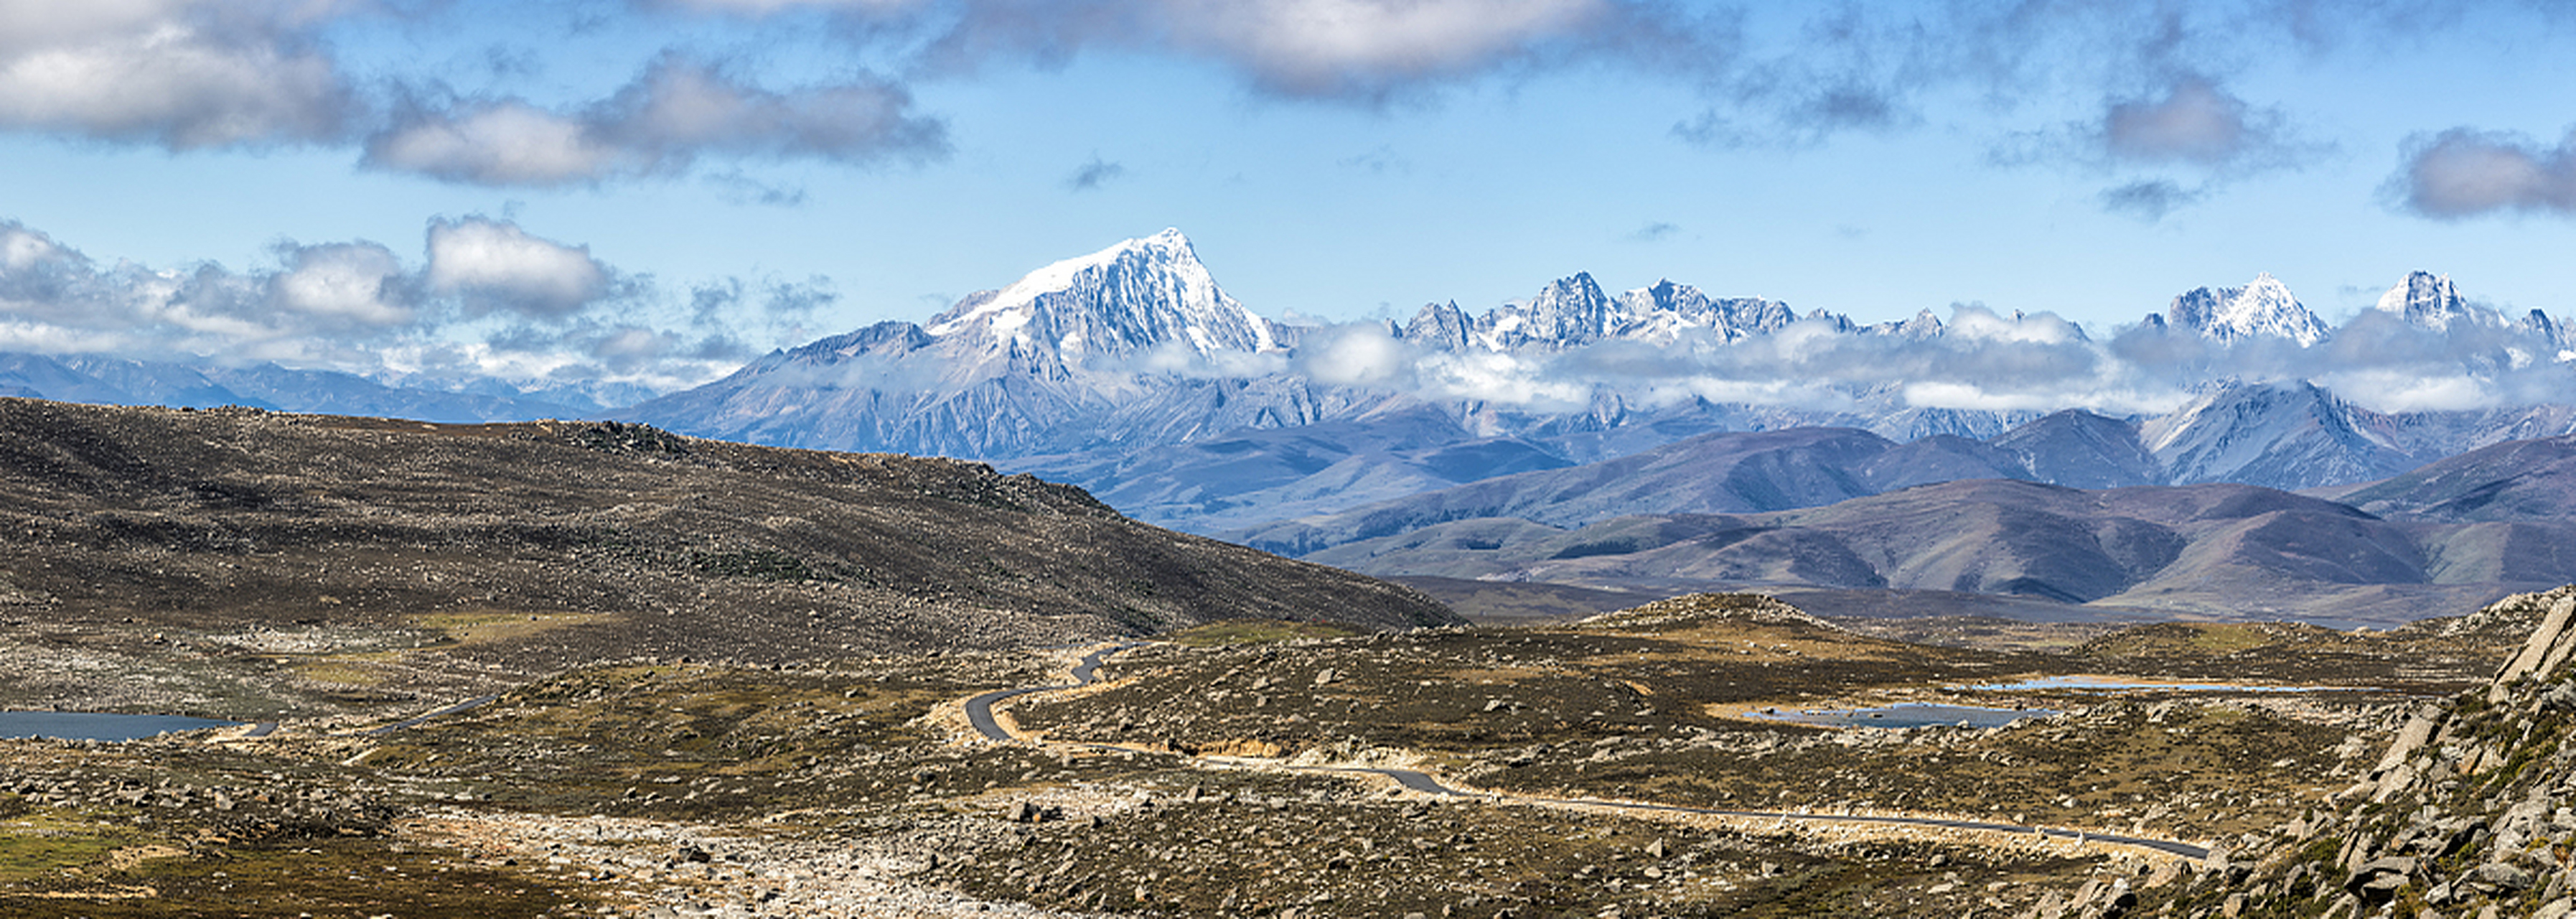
pixel 1130 372
pixel 121 381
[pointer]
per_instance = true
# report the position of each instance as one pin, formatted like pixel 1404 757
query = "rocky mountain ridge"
pixel 2465 814
pixel 2262 309
pixel 1098 368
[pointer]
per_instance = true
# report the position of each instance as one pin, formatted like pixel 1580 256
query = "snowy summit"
pixel 1135 296
pixel 2264 308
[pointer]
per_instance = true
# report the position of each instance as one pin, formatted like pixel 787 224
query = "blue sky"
pixel 653 190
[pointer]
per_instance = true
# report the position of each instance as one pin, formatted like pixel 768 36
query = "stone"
pixel 2538 649
pixel 2555 909
pixel 2500 876
pixel 2561 696
pixel 2380 875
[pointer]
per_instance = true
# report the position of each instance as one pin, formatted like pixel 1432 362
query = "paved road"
pixel 979 711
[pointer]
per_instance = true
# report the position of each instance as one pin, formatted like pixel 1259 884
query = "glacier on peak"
pixel 1137 342
pixel 1134 296
pixel 1574 311
pixel 1922 325
pixel 2431 302
pixel 2263 308
pixel 1662 311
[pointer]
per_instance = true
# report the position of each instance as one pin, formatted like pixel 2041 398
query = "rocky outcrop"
pixel 2470 812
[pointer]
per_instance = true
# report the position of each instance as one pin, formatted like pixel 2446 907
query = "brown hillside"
pixel 355 557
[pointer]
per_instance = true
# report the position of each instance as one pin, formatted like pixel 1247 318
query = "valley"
pixel 593 668
pixel 1203 774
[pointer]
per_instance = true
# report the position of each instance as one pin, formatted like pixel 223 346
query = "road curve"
pixel 979 712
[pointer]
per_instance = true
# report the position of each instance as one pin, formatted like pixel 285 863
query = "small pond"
pixel 1903 715
pixel 2116 684
pixel 98 725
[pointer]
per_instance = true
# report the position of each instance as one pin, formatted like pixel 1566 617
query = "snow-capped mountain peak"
pixel 2264 308
pixel 1922 326
pixel 1138 295
pixel 2427 301
pixel 1660 312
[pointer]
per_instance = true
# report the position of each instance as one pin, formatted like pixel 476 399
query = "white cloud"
pixel 182 75
pixel 2195 122
pixel 1979 360
pixel 495 265
pixel 767 7
pixel 490 300
pixel 1976 323
pixel 30 25
pixel 357 283
pixel 678 108
pixel 662 122
pixel 22 249
pixel 2464 173
pixel 494 143
pixel 1361 354
pixel 1360 50
pixel 1328 47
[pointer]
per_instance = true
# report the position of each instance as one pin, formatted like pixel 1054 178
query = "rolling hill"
pixel 362 558
pixel 2215 551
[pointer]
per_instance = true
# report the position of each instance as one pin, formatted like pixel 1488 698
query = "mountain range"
pixel 1130 372
pixel 125 381
pixel 1751 511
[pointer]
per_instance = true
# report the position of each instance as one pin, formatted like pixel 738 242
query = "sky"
pixel 653 191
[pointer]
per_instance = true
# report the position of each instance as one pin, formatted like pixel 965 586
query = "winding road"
pixel 450 710
pixel 979 712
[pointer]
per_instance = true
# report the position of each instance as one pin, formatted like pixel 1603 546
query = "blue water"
pixel 2109 684
pixel 98 725
pixel 1905 715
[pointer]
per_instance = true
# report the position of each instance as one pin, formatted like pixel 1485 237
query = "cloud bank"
pixel 193 75
pixel 661 123
pixel 486 298
pixel 178 74
pixel 1977 360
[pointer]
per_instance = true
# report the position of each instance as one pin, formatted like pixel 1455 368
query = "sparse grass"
pixel 369 669
pixel 862 748
pixel 312 878
pixel 42 844
pixel 1256 632
pixel 491 627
